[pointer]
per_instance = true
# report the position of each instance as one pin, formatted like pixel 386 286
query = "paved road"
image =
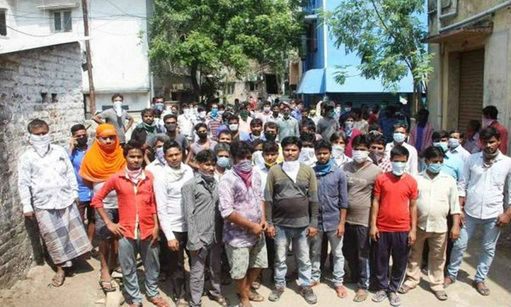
pixel 82 289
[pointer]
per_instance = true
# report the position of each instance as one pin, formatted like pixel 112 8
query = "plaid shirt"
pixel 385 164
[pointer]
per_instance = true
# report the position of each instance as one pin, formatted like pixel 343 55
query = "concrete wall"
pixel 23 77
pixel 443 88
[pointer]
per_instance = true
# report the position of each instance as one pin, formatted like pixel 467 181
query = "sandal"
pixel 440 295
pixel 219 299
pixel 254 296
pixel 448 281
pixel 158 301
pixel 360 296
pixel 481 288
pixel 107 286
pixel 58 280
pixel 404 289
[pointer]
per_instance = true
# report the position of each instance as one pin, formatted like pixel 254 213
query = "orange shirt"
pixel 394 194
pixel 133 200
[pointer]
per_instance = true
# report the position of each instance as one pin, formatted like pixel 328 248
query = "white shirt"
pixel 412 165
pixel 168 201
pixel 186 124
pixel 47 182
pixel 155 167
pixel 459 151
pixel 436 198
pixel 487 189
pixel 263 174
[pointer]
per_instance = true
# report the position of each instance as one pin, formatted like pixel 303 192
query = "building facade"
pixel 471 44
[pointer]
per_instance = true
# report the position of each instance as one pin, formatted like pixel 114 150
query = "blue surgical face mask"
pixel 399 137
pixel 398 168
pixel 442 145
pixel 160 155
pixel 223 162
pixel 435 167
pixel 453 143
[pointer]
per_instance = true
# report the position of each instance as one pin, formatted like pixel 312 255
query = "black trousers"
pixel 356 250
pixel 395 245
pixel 174 263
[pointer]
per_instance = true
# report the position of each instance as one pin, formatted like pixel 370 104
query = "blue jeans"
pixel 315 250
pixel 128 250
pixel 491 233
pixel 284 236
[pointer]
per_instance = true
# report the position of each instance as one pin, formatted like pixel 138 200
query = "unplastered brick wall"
pixel 41 83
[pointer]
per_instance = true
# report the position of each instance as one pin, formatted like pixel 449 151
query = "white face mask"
pixel 202 114
pixel 233 127
pixel 40 143
pixel 118 108
pixel 307 156
pixel 398 168
pixel 337 151
pixel 360 155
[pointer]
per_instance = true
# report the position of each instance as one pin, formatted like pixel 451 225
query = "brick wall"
pixel 24 78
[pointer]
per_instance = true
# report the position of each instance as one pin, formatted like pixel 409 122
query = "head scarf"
pixel 99 162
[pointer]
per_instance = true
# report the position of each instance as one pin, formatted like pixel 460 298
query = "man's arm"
pixel 97 203
pixel 130 121
pixel 343 203
pixel 454 210
pixel 373 232
pixel 413 222
pixel 161 195
pixel 70 175
pixel 314 204
pixel 504 218
pixel 24 186
pixel 98 119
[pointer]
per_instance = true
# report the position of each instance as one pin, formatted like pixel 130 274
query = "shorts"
pixel 102 231
pixel 87 213
pixel 243 258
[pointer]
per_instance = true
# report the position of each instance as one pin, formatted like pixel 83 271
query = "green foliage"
pixel 387 35
pixel 215 36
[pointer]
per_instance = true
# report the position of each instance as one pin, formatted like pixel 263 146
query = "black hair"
pixel 169 116
pixel 399 150
pixel 77 127
pixel 132 144
pixel 200 125
pixel 240 150
pixel 256 143
pixel 308 137
pixel 309 124
pixel 117 95
pixel 489 132
pixel 491 112
pixel 171 144
pixel 323 144
pixel 291 140
pixel 461 133
pixel 437 135
pixel 423 111
pixel 256 121
pixel 433 152
pixel 474 124
pixel 145 111
pixel 338 135
pixel 373 127
pixel 156 97
pixel 270 146
pixel 361 139
pixel 36 123
pixel 222 147
pixel 233 117
pixel 224 132
pixel 205 155
pixel 401 125
pixel 376 139
pixel 272 125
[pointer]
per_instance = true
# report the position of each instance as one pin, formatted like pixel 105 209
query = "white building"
pixel 118 38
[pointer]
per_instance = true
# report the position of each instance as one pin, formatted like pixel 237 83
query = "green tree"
pixel 211 37
pixel 388 37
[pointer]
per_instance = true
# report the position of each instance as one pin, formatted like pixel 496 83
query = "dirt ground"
pixel 82 289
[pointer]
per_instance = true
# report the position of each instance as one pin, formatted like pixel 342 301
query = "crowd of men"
pixel 237 189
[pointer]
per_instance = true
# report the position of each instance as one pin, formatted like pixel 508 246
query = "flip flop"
pixel 360 297
pixel 404 289
pixel 440 295
pixel 107 286
pixel 254 296
pixel 158 301
pixel 58 280
pixel 481 288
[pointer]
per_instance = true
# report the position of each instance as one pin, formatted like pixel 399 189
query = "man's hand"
pixel 455 232
pixel 155 236
pixel 412 235
pixel 195 252
pixel 340 230
pixel 29 215
pixel 173 245
pixel 374 234
pixel 462 201
pixel 462 217
pixel 255 229
pixel 312 231
pixel 116 229
pixel 72 143
pixel 264 225
pixel 503 219
pixel 270 231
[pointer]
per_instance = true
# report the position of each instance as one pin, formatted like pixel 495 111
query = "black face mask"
pixel 275 114
pixel 270 137
pixel 81 142
pixel 202 135
pixel 170 127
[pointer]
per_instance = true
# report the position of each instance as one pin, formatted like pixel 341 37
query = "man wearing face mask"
pixel 328 125
pixel 201 116
pixel 202 143
pixel 159 162
pixel 242 207
pixel 117 117
pixel 350 131
pixel 485 203
pixel 215 120
pixel 438 199
pixel 223 160
pixel 338 141
pixel 361 174
pixel 307 154
pixel 147 129
pixel 271 131
pixel 490 114
pixel 167 190
pixel 377 152
pixel 233 126
pixel 170 121
pixel 77 148
pixel 244 119
pixel 185 122
pixel 292 210
pixel 256 129
pixel 288 125
pixel 453 164
pixel 399 138
pixel 265 114
pixel 275 114
pixel 393 225
pixel 48 191
pixel 455 148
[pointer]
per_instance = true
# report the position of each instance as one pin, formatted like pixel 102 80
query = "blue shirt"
pixel 333 196
pixel 453 165
pixel 418 141
pixel 84 192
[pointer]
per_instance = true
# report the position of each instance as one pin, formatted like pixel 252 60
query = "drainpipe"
pixel 475 17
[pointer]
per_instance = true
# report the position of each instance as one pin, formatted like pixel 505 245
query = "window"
pixel 312 45
pixel 252 86
pixel 62 21
pixel 3 23
pixel 229 88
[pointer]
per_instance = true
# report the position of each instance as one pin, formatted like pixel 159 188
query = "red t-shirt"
pixel 394 194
